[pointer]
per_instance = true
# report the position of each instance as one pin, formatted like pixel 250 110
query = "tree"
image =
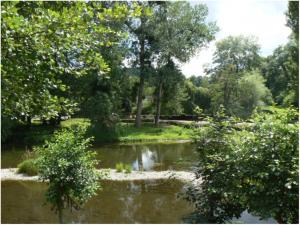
pixel 293 18
pixel 45 43
pixel 280 71
pixel 252 93
pixel 172 92
pixel 239 51
pixel 180 30
pixel 169 92
pixel 140 35
pixel 276 74
pixel 225 89
pixel 254 169
pixel 174 30
pixel 233 57
pixel 69 168
pixel 293 46
pixel 198 91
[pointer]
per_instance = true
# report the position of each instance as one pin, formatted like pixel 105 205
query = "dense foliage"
pixel 47 44
pixel 108 61
pixel 121 59
pixel 254 169
pixel 69 167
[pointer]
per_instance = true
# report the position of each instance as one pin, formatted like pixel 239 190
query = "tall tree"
pixel 42 43
pixel 170 92
pixel 293 23
pixel 277 74
pixel 139 38
pixel 281 69
pixel 234 56
pixel 180 31
pixel 240 51
pixel 293 17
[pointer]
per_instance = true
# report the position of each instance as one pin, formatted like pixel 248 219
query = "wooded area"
pixel 72 70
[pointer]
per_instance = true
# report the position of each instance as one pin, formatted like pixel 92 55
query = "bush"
pixel 254 170
pixel 128 168
pixel 28 167
pixel 119 167
pixel 69 167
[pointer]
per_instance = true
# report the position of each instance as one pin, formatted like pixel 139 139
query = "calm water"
pixel 179 156
pixel 118 202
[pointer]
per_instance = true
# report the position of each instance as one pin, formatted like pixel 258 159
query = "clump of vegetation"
pixel 239 169
pixel 129 133
pixel 28 167
pixel 70 168
pixel 128 168
pixel 119 167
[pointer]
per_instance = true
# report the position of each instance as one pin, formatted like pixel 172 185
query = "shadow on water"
pixel 245 218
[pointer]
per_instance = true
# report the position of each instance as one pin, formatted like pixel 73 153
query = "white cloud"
pixel 264 19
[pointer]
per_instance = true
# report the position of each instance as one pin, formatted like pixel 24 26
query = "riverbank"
pixel 37 133
pixel 111 174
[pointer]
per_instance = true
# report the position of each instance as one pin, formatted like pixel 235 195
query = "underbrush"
pixel 28 167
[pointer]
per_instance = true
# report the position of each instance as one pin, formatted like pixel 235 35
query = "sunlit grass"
pixel 127 132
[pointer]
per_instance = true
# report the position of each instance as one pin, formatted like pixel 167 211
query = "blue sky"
pixel 264 19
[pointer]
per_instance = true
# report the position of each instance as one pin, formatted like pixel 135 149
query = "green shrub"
pixel 128 168
pixel 70 168
pixel 239 169
pixel 28 167
pixel 119 167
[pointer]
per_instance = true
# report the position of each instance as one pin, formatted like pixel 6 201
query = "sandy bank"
pixel 10 174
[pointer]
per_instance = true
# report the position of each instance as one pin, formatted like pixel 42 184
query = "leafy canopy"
pixel 43 42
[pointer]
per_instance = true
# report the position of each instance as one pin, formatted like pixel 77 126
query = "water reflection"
pixel 179 156
pixel 118 202
pixel 145 160
pixel 152 201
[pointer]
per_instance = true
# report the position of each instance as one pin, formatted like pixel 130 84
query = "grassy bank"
pixel 123 132
pixel 127 132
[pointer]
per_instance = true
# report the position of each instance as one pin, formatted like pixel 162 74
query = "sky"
pixel 264 19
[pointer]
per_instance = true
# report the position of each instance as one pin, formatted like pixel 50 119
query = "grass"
pixel 128 168
pixel 127 132
pixel 148 132
pixel 75 121
pixel 123 132
pixel 28 167
pixel 119 167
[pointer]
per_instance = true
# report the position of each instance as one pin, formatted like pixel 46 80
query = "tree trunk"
pixel 141 85
pixel 28 121
pixel 60 215
pixel 279 219
pixel 158 103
